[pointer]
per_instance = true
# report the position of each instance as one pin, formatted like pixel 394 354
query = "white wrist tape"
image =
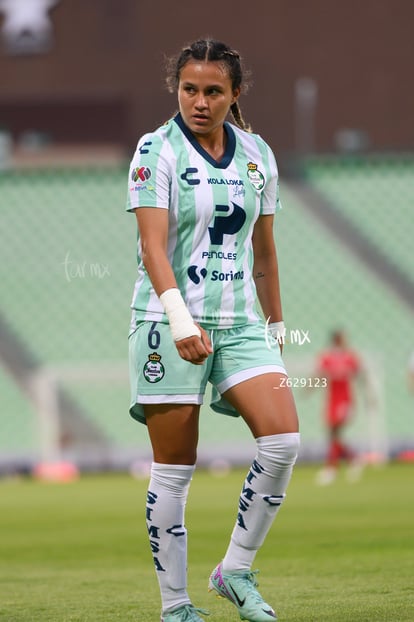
pixel 277 330
pixel 181 323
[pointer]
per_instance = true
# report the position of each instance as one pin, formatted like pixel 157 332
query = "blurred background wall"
pixel 105 61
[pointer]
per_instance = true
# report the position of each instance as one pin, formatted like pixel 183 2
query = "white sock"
pixel 261 497
pixel 166 500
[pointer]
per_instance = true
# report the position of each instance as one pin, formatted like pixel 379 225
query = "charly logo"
pixel 195 273
pixel 141 173
pixel 227 221
pixel 154 370
pixel 188 176
pixel 142 149
pixel 256 178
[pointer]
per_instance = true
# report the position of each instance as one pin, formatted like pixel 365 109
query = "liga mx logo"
pixel 141 173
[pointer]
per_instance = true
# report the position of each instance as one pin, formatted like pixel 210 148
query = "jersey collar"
pixel 230 147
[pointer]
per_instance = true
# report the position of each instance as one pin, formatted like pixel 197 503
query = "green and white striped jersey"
pixel 213 207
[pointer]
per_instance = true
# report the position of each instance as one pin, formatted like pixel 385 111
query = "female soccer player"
pixel 204 192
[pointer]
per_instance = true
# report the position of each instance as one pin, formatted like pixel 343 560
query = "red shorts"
pixel 338 413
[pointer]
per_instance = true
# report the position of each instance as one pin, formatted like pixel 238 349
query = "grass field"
pixel 78 552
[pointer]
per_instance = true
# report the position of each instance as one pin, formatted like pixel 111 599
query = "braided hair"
pixel 210 50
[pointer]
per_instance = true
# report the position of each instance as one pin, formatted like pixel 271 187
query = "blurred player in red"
pixel 340 366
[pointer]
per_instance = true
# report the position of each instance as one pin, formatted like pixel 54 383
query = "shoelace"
pixel 252 578
pixel 189 609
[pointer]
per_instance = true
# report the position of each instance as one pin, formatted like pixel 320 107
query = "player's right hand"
pixel 195 349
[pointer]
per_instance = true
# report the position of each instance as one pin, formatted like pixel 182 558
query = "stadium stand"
pixel 326 286
pixel 67 272
pixel 375 194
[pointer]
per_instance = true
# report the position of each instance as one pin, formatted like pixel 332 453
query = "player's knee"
pixel 291 447
pixel 175 456
pixel 279 450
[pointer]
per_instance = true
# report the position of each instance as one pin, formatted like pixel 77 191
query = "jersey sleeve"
pixel 270 203
pixel 149 175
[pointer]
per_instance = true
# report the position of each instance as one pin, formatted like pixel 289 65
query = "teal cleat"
pixel 240 589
